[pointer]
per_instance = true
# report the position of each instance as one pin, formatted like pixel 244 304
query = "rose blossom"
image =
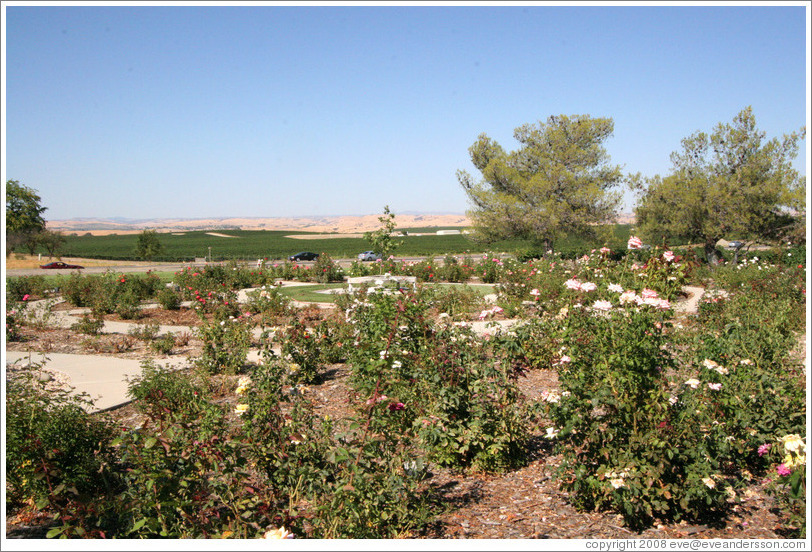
pixel 782 469
pixel 280 533
pixel 715 386
pixel 693 383
pixel 602 305
pixel 668 256
pixel 634 243
pixel 615 287
pixel 588 286
pixel 573 284
pixel 764 449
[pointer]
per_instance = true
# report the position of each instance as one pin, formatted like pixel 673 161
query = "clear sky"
pixel 266 110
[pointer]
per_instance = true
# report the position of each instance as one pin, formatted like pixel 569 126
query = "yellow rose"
pixel 794 443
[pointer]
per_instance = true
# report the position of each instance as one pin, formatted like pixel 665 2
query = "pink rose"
pixel 634 243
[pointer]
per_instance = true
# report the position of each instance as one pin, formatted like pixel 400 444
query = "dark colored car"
pixel 60 264
pixel 304 256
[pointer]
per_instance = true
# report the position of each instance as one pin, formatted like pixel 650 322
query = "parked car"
pixel 304 256
pixel 369 256
pixel 60 264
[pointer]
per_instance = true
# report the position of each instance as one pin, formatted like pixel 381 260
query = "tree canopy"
pixel 558 182
pixel 727 185
pixel 23 214
pixel 148 245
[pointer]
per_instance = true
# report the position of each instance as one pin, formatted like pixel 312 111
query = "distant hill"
pixel 337 224
pixel 328 224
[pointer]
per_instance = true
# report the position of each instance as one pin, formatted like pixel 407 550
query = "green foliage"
pixel 161 391
pixel 326 270
pixel 728 184
pixel 19 287
pixel 269 303
pixel 787 455
pixel 164 344
pixel 435 383
pixel 623 444
pixel 23 214
pixel 148 245
pixel 146 332
pixel 341 483
pixel 187 478
pixel 128 305
pixel 225 344
pixel 300 347
pixel 459 302
pixel 381 240
pixel 89 325
pixel 43 458
pixel 169 299
pixel 557 183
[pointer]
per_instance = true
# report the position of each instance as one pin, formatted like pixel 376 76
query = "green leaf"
pixel 54 532
pixel 138 525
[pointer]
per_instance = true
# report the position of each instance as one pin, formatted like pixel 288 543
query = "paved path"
pixel 103 378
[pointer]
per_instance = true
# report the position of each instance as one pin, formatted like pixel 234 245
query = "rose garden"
pixel 354 419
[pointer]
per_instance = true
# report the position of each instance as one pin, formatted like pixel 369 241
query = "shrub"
pixel 341 484
pixel 17 288
pixel 300 347
pixel 89 325
pixel 145 332
pixel 225 345
pixel 44 461
pixel 787 455
pixel 169 299
pixel 128 305
pixel 624 444
pixel 161 390
pixel 326 270
pixel 163 345
pixel 436 384
pixel 459 302
pixel 268 302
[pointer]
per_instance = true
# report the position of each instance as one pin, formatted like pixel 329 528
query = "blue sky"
pixel 266 110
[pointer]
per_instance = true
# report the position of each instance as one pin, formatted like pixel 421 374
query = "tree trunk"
pixel 712 254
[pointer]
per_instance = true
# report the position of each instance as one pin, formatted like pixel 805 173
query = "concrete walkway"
pixel 103 378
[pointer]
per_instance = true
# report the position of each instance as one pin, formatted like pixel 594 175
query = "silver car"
pixel 369 256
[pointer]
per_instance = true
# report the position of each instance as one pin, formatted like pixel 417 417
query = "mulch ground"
pixel 522 504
